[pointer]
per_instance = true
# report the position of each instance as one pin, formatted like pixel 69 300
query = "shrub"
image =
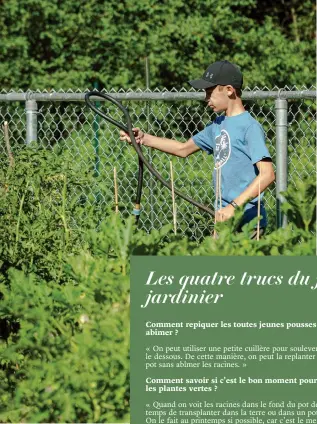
pixel 64 289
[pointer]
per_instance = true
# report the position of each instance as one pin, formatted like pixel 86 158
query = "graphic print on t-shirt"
pixel 223 149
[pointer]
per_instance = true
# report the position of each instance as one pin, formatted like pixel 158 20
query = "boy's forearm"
pixel 166 145
pixel 252 190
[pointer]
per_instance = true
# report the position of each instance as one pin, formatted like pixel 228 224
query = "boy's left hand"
pixel 224 214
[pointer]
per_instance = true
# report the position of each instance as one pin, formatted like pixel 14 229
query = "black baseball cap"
pixel 219 73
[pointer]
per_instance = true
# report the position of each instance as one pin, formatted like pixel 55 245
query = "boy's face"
pixel 218 97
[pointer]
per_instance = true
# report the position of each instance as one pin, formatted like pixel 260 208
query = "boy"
pixel 243 165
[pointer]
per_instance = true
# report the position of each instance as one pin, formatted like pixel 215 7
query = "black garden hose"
pixel 142 160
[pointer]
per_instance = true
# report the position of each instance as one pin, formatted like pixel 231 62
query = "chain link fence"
pixel 62 119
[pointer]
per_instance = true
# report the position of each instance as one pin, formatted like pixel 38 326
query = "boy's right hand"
pixel 138 134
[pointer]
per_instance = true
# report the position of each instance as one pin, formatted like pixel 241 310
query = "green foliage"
pixel 47 202
pixel 49 44
pixel 68 361
pixel 64 285
pixel 64 316
pixel 300 205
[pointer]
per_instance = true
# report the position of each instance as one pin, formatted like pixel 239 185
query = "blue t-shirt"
pixel 237 143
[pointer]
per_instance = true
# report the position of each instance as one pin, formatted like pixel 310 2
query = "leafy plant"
pixel 64 316
pixel 300 205
pixel 47 205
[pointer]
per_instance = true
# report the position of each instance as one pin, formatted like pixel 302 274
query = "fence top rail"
pixel 147 96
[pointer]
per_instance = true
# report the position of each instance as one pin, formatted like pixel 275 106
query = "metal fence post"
pixel 148 110
pixel 281 158
pixel 31 121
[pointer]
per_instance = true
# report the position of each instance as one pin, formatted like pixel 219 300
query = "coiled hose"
pixel 142 160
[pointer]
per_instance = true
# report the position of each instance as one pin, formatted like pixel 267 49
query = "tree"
pixel 54 44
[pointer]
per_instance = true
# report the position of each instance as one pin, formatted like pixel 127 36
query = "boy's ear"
pixel 230 90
